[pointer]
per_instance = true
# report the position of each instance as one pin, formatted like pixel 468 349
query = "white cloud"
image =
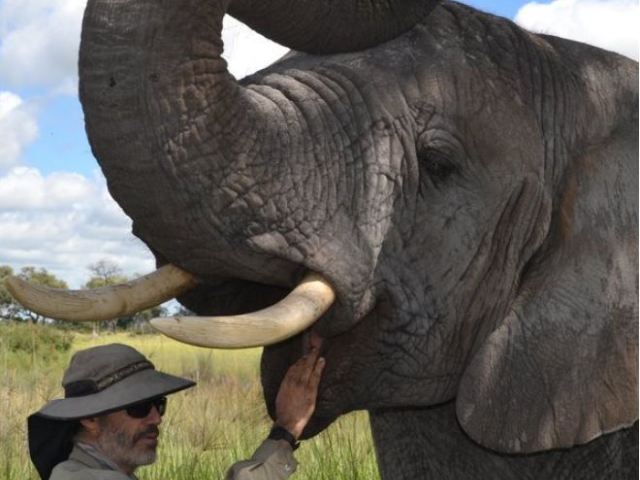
pixel 26 189
pixel 18 128
pixel 63 222
pixel 247 51
pixel 40 41
pixel 609 24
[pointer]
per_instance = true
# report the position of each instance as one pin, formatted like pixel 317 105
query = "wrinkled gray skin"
pixel 469 188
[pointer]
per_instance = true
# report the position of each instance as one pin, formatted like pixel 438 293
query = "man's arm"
pixel 295 403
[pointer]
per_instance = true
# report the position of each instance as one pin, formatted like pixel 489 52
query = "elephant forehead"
pixel 407 86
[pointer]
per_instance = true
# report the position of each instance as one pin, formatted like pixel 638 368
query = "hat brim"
pixel 136 388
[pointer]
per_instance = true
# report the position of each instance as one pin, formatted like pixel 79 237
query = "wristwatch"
pixel 280 433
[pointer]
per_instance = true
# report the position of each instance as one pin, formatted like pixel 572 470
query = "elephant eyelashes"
pixel 436 166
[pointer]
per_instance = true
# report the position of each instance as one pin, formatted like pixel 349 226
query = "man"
pixel 106 426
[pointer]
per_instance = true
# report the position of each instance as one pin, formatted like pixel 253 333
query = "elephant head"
pixel 467 188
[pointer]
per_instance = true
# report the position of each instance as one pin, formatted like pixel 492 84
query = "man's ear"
pixel 562 367
pixel 91 425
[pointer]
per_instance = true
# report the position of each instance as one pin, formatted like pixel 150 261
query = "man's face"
pixel 129 442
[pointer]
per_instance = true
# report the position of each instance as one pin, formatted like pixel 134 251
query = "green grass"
pixel 206 428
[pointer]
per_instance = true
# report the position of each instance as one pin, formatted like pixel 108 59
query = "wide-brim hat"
pixel 99 380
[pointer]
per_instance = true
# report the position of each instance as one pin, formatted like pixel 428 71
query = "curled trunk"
pixel 166 120
pixel 331 26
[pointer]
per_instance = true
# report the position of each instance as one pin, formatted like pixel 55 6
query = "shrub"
pixel 45 342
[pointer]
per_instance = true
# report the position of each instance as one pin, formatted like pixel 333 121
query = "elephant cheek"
pixel 387 360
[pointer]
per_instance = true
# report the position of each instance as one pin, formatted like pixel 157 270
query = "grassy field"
pixel 205 430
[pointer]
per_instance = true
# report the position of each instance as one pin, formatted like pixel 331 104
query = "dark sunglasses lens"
pixel 141 410
pixel 161 405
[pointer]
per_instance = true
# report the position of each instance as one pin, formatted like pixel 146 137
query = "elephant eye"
pixel 436 165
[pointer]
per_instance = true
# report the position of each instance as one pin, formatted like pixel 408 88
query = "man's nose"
pixel 154 416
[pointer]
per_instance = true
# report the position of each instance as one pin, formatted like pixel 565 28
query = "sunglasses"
pixel 141 410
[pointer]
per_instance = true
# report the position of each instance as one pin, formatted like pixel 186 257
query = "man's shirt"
pixel 273 460
pixel 87 463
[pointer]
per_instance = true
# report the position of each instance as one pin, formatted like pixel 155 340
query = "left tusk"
pixel 104 303
pixel 293 314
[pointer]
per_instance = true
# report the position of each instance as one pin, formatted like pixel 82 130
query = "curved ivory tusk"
pixel 103 303
pixel 297 311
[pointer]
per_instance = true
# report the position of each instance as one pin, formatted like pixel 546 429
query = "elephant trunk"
pixel 331 26
pixel 152 71
pixel 165 118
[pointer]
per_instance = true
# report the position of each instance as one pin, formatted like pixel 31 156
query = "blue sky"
pixel 506 8
pixel 55 211
pixel 61 123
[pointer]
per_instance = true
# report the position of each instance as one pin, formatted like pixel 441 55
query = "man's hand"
pixel 296 400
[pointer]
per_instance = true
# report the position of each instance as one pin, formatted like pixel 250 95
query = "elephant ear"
pixel 561 368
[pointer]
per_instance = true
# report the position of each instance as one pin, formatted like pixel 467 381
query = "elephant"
pixel 466 188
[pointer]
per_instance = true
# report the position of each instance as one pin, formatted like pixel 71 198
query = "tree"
pixel 6 300
pixel 104 273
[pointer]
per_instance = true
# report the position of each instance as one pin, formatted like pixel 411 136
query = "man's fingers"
pixel 304 368
pixel 316 374
pixel 297 372
pixel 296 399
pixel 315 340
pixel 309 362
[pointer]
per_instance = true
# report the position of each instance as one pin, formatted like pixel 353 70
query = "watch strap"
pixel 281 433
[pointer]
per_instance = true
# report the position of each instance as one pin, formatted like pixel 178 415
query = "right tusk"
pixel 104 303
pixel 291 315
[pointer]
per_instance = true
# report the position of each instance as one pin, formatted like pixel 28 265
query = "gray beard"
pixel 121 449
